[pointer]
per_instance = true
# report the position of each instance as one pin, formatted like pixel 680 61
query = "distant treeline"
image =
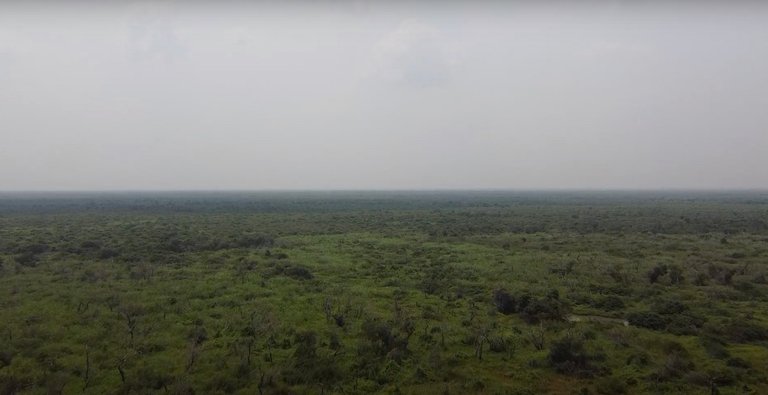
pixel 460 213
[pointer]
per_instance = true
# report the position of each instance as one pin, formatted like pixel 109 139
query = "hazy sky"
pixel 357 95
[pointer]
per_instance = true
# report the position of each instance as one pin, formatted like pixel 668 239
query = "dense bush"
pixel 253 241
pixel 714 347
pixel 505 303
pixel 292 270
pixel 685 324
pixel 609 303
pixel 648 320
pixel 611 386
pixel 530 308
pixel 569 356
pixel 676 365
pixel 655 273
pixel 744 332
pixel 723 275
pixel 667 306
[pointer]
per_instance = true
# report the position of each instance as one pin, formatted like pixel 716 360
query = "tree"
pixel 657 271
pixel 131 312
pixel 569 356
pixel 676 274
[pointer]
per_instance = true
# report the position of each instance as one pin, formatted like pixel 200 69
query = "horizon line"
pixel 333 190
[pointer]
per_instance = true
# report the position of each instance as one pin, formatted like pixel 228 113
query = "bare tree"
pixel 131 313
pixel 87 375
pixel 536 337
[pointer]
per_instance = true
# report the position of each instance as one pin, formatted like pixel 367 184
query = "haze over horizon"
pixel 603 95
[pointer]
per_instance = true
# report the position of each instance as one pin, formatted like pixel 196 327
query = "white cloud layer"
pixel 173 95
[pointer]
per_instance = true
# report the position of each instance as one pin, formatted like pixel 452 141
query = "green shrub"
pixel 667 306
pixel 609 303
pixel 647 320
pixel 611 386
pixel 714 347
pixel 291 270
pixel 569 356
pixel 685 324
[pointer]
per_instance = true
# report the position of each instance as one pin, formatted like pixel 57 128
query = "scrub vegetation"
pixel 384 292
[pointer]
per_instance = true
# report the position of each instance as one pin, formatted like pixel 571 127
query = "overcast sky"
pixel 355 95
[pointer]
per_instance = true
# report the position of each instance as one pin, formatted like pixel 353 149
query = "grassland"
pixel 384 292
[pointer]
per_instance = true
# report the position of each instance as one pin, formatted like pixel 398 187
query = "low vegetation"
pixel 357 293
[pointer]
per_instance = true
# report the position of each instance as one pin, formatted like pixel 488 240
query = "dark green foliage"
pixel 701 279
pixel 640 359
pixel 541 309
pixel 198 335
pixel 530 308
pixel 723 275
pixel 675 366
pixel 569 356
pixel 676 275
pixel 685 324
pixel 504 302
pixel 648 320
pixel 738 363
pixel 501 344
pixel 667 306
pixel 743 331
pixel 655 273
pixel 253 241
pixel 609 303
pixel 108 253
pixel 714 347
pixel 26 259
pixel 611 386
pixel 292 270
pixel 383 339
pixel 306 349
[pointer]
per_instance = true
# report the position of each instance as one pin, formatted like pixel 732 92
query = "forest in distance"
pixel 392 292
